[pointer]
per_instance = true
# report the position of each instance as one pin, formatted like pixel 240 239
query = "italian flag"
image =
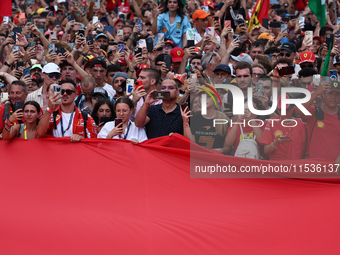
pixel 318 7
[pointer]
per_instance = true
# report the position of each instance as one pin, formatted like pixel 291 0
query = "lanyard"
pixel 127 131
pixel 69 124
pixel 25 133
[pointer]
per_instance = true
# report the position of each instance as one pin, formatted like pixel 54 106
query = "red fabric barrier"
pixel 112 197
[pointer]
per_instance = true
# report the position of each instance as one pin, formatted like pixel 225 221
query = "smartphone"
pixel 51 14
pixel 333 75
pixel 284 27
pixel 70 18
pixel 138 84
pixel 94 20
pixel 14 37
pixel 120 48
pixel 275 24
pixel 89 40
pixel 51 46
pixel 142 43
pixel 316 80
pixel 210 31
pixel 191 43
pixel 120 32
pixel 167 60
pixel 60 50
pixel 338 21
pixel 14 48
pixel 236 37
pixel 302 21
pixel 41 30
pixel 6 20
pixel 206 9
pixel 22 15
pixel 18 106
pixel 193 76
pixel 97 4
pixel 329 39
pixel 118 121
pixel 32 44
pixel 27 71
pixel 216 18
pixel 71 45
pixel 4 96
pixel 309 34
pixel 57 23
pixel 161 95
pixel 139 24
pixel 108 29
pixel 284 40
pixel 149 44
pixel 265 23
pixel 160 37
pixel 287 70
pixel 20 64
pixel 259 88
pixel 129 86
pixel 53 34
pixel 285 137
pixel 227 23
pixel 56 89
pixel 138 50
pixel 104 119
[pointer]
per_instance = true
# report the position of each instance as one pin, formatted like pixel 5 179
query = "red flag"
pixel 260 12
pixel 5 8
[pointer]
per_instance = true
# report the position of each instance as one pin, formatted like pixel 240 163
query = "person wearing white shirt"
pixel 126 129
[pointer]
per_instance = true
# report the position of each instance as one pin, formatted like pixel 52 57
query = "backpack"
pixel 247 148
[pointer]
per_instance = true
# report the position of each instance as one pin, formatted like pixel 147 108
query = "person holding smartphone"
pixel 103 108
pixel 27 130
pixel 287 140
pixel 123 127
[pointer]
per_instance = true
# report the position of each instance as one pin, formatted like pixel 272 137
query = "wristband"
pixel 272 144
pixel 49 110
pixel 131 71
pixel 9 123
pixel 6 64
pixel 7 129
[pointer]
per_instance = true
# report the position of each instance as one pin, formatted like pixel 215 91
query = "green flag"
pixel 324 71
pixel 318 7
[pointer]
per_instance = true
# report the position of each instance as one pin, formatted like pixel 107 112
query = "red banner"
pixel 112 197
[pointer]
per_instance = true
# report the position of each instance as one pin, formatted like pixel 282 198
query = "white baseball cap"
pixel 51 68
pixel 243 57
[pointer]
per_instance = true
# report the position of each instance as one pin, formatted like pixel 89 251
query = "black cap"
pixel 98 62
pixel 288 46
pixel 100 91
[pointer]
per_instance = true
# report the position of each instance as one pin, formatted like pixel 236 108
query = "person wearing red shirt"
pixel 323 132
pixel 66 120
pixel 284 141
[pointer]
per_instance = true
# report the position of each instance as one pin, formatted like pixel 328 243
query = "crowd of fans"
pixel 132 70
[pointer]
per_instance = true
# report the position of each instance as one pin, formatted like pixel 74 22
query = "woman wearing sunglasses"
pixel 126 129
pixel 27 130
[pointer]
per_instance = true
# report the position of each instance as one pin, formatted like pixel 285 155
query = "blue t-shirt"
pixel 173 31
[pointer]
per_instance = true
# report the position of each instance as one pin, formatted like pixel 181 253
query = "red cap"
pixel 318 38
pixel 177 54
pixel 122 60
pixel 60 33
pixel 209 3
pixel 118 20
pixel 140 69
pixel 47 32
pixel 306 56
pixel 169 41
pixel 178 77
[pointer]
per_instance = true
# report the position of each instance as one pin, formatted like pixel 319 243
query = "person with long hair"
pixel 28 130
pixel 171 21
pixel 103 108
pixel 126 129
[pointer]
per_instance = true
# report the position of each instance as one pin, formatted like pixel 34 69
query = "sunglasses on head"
pixel 68 91
pixel 97 97
pixel 56 75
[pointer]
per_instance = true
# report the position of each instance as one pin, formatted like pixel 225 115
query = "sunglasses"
pixel 275 56
pixel 306 66
pixel 170 87
pixel 168 47
pixel 68 91
pixel 96 97
pixel 56 75
pixel 285 54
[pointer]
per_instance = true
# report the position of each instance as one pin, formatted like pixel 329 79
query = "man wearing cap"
pixel 36 69
pixel 168 46
pixel 118 24
pixel 336 63
pixel 307 60
pixel 101 39
pixel 118 79
pixel 221 71
pixel 65 119
pixel 176 54
pixel 98 94
pixel 324 124
pixel 243 57
pixel 51 74
pixel 98 71
pixel 288 51
pixel 200 19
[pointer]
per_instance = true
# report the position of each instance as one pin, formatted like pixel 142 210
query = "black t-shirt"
pixel 205 133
